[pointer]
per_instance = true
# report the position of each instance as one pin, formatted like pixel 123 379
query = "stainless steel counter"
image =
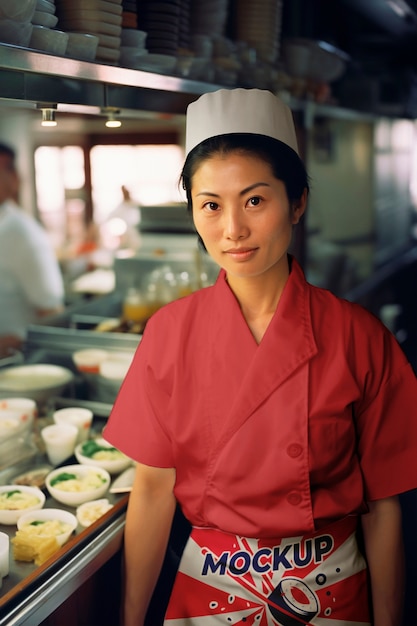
pixel 30 593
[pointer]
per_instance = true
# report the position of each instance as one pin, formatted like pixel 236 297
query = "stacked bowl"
pixel 44 14
pixel 259 25
pixel 101 18
pixel 16 21
pixel 44 35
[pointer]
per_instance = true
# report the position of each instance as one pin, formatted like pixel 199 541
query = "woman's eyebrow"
pixel 252 187
pixel 242 193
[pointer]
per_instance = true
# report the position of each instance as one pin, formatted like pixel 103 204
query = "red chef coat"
pixel 274 439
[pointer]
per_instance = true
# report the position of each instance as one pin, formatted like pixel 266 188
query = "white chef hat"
pixel 227 111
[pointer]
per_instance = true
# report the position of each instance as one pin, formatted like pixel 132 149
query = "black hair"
pixel 285 163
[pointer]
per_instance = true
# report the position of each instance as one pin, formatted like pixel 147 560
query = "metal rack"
pixel 32 77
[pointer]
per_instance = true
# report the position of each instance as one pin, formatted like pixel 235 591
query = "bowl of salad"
pixel 15 500
pixel 49 523
pixel 101 453
pixel 74 484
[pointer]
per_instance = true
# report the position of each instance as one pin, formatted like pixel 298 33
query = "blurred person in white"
pixel 31 284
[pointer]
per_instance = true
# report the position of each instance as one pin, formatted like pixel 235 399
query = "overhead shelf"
pixel 32 77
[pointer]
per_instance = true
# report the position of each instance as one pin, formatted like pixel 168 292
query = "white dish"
pixel 37 382
pixel 49 40
pixel 46 6
pixel 160 63
pixel 90 512
pixel 133 38
pixel 124 482
pixel 17 10
pixel 42 18
pixel 49 515
pixel 88 360
pixel 16 33
pixel 82 46
pixel 84 452
pixel 13 424
pixel 80 483
pixel 19 497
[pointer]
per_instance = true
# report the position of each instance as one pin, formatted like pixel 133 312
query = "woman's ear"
pixel 299 207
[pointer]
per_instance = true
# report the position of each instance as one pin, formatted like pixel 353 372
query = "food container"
pixel 88 361
pixel 38 382
pixel 89 512
pixel 17 10
pixel 100 453
pixel 49 40
pixel 43 519
pixel 74 484
pixel 15 500
pixel 82 46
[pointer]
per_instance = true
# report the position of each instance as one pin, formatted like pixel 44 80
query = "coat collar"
pixel 287 344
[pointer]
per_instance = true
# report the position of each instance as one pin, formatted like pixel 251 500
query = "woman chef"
pixel 280 418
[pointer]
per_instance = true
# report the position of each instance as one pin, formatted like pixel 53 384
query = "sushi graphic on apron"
pixel 317 580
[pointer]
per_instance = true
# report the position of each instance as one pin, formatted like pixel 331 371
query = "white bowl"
pixel 42 18
pixel 13 424
pixel 159 63
pixel 49 515
pixel 315 60
pixel 17 10
pixel 88 360
pixel 49 40
pixel 133 38
pixel 46 5
pixel 115 367
pixel 111 375
pixel 84 492
pixel 10 516
pixel 89 512
pixel 26 405
pixel 84 454
pixel 81 417
pixel 82 46
pixel 17 33
pixel 38 382
pixel 129 55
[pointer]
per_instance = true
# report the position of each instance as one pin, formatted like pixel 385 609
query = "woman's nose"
pixel 235 225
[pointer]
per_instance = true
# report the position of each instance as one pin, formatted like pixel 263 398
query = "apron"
pixel 318 579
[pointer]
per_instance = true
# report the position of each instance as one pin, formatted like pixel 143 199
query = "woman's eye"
pixel 255 201
pixel 211 206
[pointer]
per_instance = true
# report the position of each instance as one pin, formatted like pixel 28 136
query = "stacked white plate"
pixel 98 17
pixel 45 36
pixel 259 25
pixel 44 14
pixel 15 21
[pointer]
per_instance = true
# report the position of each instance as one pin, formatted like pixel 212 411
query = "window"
pixel 150 173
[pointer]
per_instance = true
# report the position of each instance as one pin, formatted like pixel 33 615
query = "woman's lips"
pixel 240 254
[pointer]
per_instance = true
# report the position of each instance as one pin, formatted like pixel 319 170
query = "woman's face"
pixel 242 213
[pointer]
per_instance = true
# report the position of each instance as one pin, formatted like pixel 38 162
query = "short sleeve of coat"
pixel 386 417
pixel 135 425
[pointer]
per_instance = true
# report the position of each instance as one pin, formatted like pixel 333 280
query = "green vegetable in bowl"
pixel 62 477
pixel 10 494
pixel 90 448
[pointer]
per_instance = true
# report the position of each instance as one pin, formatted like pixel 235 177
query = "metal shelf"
pixel 35 77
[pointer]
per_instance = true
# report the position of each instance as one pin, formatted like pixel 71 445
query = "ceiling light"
pixel 48 114
pixel 113 119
